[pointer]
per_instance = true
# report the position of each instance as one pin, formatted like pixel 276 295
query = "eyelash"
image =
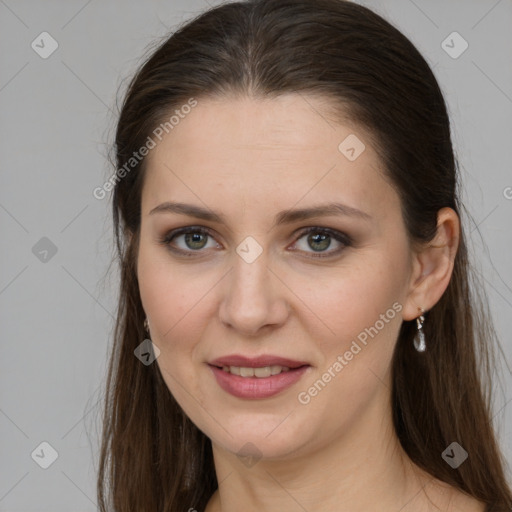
pixel 337 235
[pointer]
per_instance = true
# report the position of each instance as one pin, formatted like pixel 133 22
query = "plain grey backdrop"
pixel 57 300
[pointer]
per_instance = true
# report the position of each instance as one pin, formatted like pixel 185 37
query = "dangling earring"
pixel 419 339
pixel 146 325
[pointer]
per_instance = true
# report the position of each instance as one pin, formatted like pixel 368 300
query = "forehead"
pixel 290 123
pixel 262 151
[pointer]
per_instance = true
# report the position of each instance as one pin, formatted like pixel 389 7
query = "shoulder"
pixel 213 504
pixel 445 497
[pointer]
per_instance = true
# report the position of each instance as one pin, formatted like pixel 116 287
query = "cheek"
pixel 176 305
pixel 362 306
pixel 178 301
pixel 172 301
pixel 169 296
pixel 354 298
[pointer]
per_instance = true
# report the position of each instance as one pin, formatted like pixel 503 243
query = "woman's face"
pixel 252 282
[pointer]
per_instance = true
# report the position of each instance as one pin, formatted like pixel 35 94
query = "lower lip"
pixel 256 387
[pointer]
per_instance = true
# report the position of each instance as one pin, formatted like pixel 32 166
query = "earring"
pixel 419 339
pixel 146 325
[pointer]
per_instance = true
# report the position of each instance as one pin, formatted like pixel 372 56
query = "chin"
pixel 258 437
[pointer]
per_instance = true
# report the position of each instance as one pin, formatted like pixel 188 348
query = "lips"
pixel 257 377
pixel 256 362
pixel 252 388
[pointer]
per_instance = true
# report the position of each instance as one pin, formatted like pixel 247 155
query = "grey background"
pixel 56 120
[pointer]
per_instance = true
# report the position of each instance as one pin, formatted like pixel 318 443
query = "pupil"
pixel 320 238
pixel 193 238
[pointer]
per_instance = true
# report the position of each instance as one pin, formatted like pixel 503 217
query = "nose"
pixel 254 297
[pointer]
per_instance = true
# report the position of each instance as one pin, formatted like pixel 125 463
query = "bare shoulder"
pixel 447 498
pixel 213 504
pixel 464 503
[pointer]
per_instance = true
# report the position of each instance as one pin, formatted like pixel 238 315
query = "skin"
pixel 248 159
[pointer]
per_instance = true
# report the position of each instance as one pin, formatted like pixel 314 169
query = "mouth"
pixel 263 361
pixel 260 372
pixel 257 378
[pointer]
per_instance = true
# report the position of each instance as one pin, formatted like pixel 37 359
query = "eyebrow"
pixel 283 217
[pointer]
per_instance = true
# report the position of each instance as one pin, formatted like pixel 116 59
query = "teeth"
pixel 277 369
pixel 246 372
pixel 265 371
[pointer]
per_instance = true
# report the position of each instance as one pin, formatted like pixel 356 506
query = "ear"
pixel 433 265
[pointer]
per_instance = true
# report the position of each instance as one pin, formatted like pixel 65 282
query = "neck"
pixel 361 468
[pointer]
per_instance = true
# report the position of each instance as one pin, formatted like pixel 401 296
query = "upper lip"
pixel 256 362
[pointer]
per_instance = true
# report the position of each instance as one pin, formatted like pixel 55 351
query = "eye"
pixel 320 239
pixel 195 238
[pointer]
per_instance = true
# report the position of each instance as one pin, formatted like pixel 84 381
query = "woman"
pixel 296 329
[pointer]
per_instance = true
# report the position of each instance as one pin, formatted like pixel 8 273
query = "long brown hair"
pixel 153 458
